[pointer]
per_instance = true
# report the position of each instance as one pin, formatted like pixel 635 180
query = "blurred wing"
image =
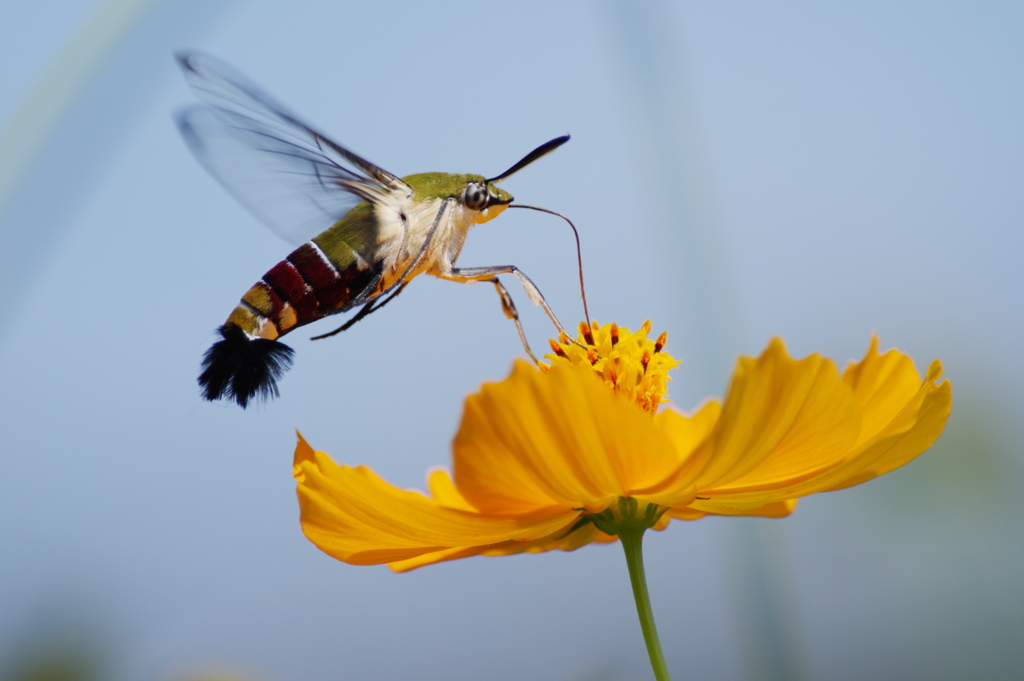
pixel 290 176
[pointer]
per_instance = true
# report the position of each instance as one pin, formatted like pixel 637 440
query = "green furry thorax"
pixel 427 186
pixel 357 232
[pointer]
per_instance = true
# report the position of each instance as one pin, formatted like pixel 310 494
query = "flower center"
pixel 628 362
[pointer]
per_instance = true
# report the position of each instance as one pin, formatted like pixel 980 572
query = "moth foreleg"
pixel 469 275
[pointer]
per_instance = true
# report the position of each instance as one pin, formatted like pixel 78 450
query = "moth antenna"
pixel 579 252
pixel 542 150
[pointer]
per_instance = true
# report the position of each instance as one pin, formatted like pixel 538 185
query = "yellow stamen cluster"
pixel 626 361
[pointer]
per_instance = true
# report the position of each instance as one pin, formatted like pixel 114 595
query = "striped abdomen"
pixel 319 278
pixel 302 288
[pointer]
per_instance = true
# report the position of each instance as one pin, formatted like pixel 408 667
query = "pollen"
pixel 627 362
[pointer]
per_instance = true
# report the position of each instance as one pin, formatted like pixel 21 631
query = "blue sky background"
pixel 737 171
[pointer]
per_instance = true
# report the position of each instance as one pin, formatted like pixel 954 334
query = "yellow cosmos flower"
pixel 577 452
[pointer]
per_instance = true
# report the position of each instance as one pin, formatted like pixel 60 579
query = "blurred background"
pixel 738 170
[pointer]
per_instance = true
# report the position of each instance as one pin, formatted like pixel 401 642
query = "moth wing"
pixel 287 174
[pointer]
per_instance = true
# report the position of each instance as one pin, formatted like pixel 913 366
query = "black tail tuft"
pixel 242 368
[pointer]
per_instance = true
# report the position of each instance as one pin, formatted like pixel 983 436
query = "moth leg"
pixel 369 307
pixel 470 275
pixel 509 308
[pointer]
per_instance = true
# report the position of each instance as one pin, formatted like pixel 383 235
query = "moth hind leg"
pixel 367 308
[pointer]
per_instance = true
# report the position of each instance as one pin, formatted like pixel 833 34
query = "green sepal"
pixel 627 516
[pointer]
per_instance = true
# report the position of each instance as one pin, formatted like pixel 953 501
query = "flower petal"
pixel 443 491
pixel 755 508
pixel 433 557
pixel 555 438
pixel 782 419
pixel 354 516
pixel 685 513
pixel 910 431
pixel 687 432
pixel 588 534
pixel 913 430
pixel 882 386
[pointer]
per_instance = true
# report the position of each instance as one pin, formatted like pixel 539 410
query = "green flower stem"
pixel 632 541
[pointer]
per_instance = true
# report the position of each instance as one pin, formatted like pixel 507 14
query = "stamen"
pixel 586 333
pixel 645 328
pixel 645 359
pixel 614 331
pixel 660 343
pixel 557 349
pixel 592 356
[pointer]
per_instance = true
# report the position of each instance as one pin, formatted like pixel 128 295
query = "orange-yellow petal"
pixel 587 534
pixel 782 419
pixel 751 505
pixel 555 438
pixel 432 557
pixel 562 541
pixel 685 513
pixel 354 516
pixel 912 430
pixel 894 431
pixel 688 431
pixel 443 490
pixel 882 386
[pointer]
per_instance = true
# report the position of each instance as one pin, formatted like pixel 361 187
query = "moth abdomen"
pixel 301 289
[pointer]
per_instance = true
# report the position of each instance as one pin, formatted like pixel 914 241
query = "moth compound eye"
pixel 475 197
